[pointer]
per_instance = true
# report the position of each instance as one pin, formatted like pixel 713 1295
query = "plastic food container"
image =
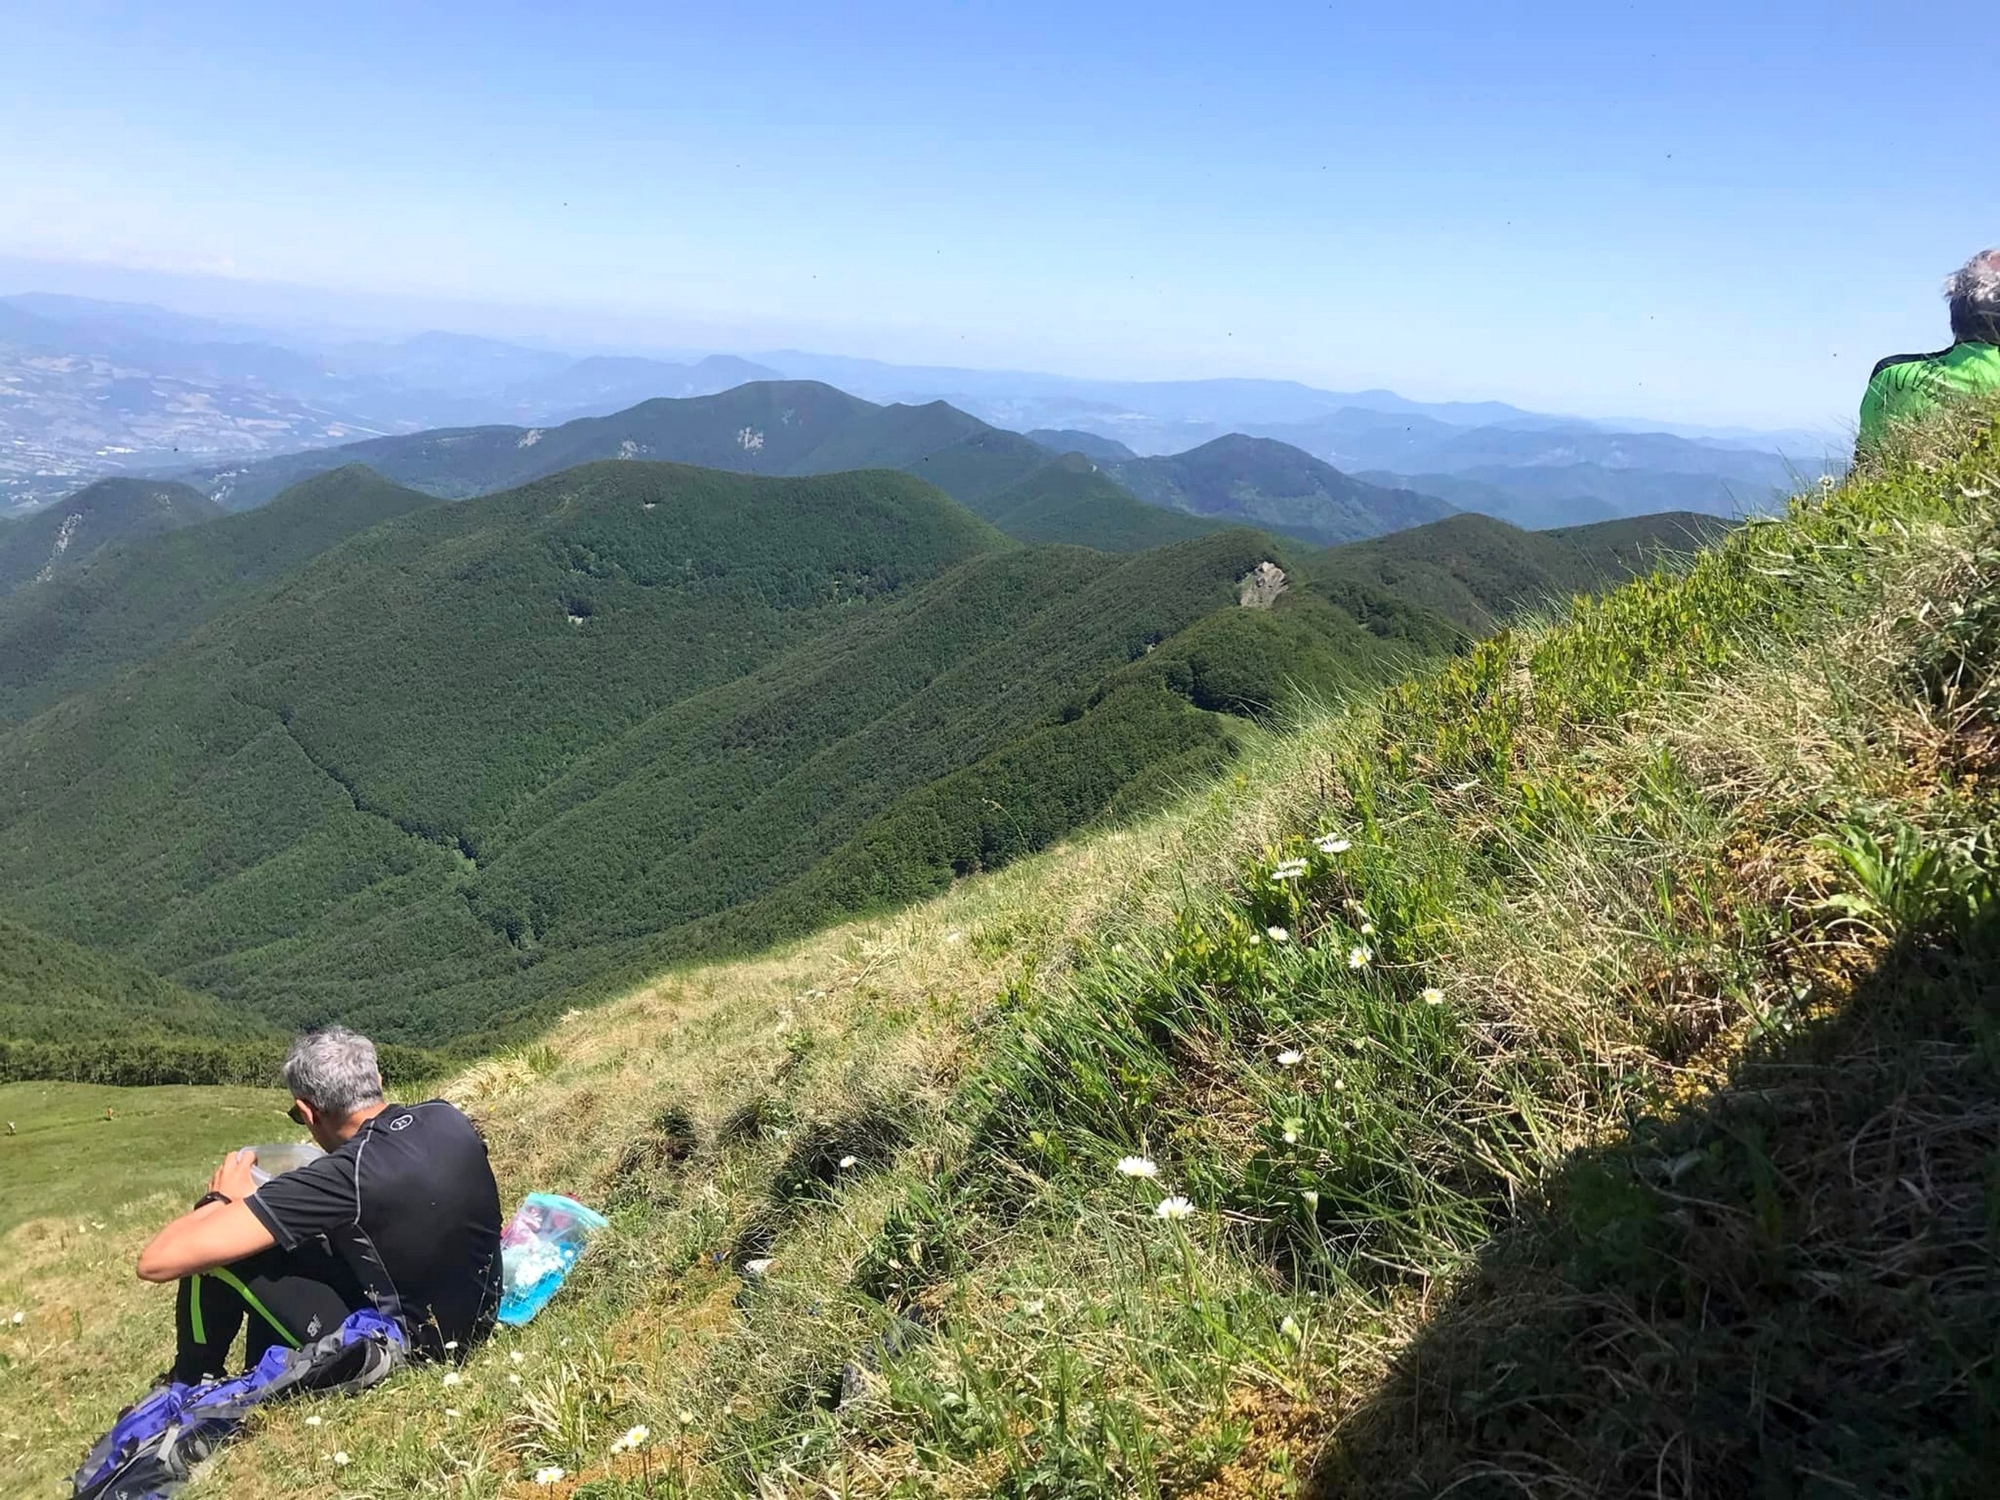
pixel 537 1249
pixel 278 1158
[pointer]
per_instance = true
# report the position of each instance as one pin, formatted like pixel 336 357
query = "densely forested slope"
pixel 981 464
pixel 53 541
pixel 53 990
pixel 1071 499
pixel 1089 444
pixel 480 754
pixel 1475 571
pixel 1265 483
pixel 135 597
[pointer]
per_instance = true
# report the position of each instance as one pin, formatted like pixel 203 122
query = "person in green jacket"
pixel 1908 385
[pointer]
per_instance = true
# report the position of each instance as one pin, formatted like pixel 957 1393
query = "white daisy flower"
pixel 1291 1330
pixel 451 1377
pixel 1331 843
pixel 687 1419
pixel 1137 1166
pixel 1175 1207
pixel 636 1437
pixel 449 1345
pixel 1293 1125
pixel 1291 1057
pixel 340 1459
pixel 451 1411
pixel 313 1421
pixel 516 1355
pixel 1368 929
pixel 1289 869
pixel 1310 1197
pixel 549 1474
pixel 1359 955
pixel 18 1319
pixel 513 1380
pixel 846 1162
pixel 1433 996
pixel 1278 934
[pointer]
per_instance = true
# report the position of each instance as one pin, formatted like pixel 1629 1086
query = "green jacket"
pixel 1908 385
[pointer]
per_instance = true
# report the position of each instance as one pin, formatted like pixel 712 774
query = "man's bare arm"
pixel 214 1234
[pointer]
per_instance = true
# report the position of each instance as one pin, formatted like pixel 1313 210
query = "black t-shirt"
pixel 410 1204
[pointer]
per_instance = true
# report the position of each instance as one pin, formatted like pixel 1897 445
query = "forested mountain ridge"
pixel 1260 482
pixel 50 543
pixel 434 768
pixel 1476 571
pixel 1072 499
pixel 134 597
pixel 474 758
pixel 54 990
pixel 770 427
pixel 798 427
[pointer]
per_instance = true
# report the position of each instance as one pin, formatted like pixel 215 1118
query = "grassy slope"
pixel 133 599
pixel 79 1153
pixel 61 536
pixel 1426 1251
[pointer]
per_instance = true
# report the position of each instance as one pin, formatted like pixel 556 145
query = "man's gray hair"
pixel 1974 291
pixel 334 1071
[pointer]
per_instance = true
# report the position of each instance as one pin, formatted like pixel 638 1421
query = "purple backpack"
pixel 156 1443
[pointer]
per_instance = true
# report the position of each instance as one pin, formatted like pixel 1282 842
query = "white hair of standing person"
pixel 335 1071
pixel 1974 293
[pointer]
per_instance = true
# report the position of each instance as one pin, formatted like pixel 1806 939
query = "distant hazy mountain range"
pixel 91 388
pixel 795 427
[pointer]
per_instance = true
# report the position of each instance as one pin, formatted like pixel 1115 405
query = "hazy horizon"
pixel 1700 218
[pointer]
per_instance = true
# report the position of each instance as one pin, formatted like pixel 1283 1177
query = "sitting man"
pixel 401 1214
pixel 1908 385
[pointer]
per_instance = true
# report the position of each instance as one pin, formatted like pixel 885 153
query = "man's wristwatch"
pixel 212 1197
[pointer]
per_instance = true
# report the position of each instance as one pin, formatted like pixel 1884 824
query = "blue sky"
pixel 1699 212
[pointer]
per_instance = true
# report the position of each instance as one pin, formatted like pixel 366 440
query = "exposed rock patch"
pixel 1260 587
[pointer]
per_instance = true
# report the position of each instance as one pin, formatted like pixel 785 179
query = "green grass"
pixel 78 1151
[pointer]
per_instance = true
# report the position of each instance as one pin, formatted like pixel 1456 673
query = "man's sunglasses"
pixel 297 1116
